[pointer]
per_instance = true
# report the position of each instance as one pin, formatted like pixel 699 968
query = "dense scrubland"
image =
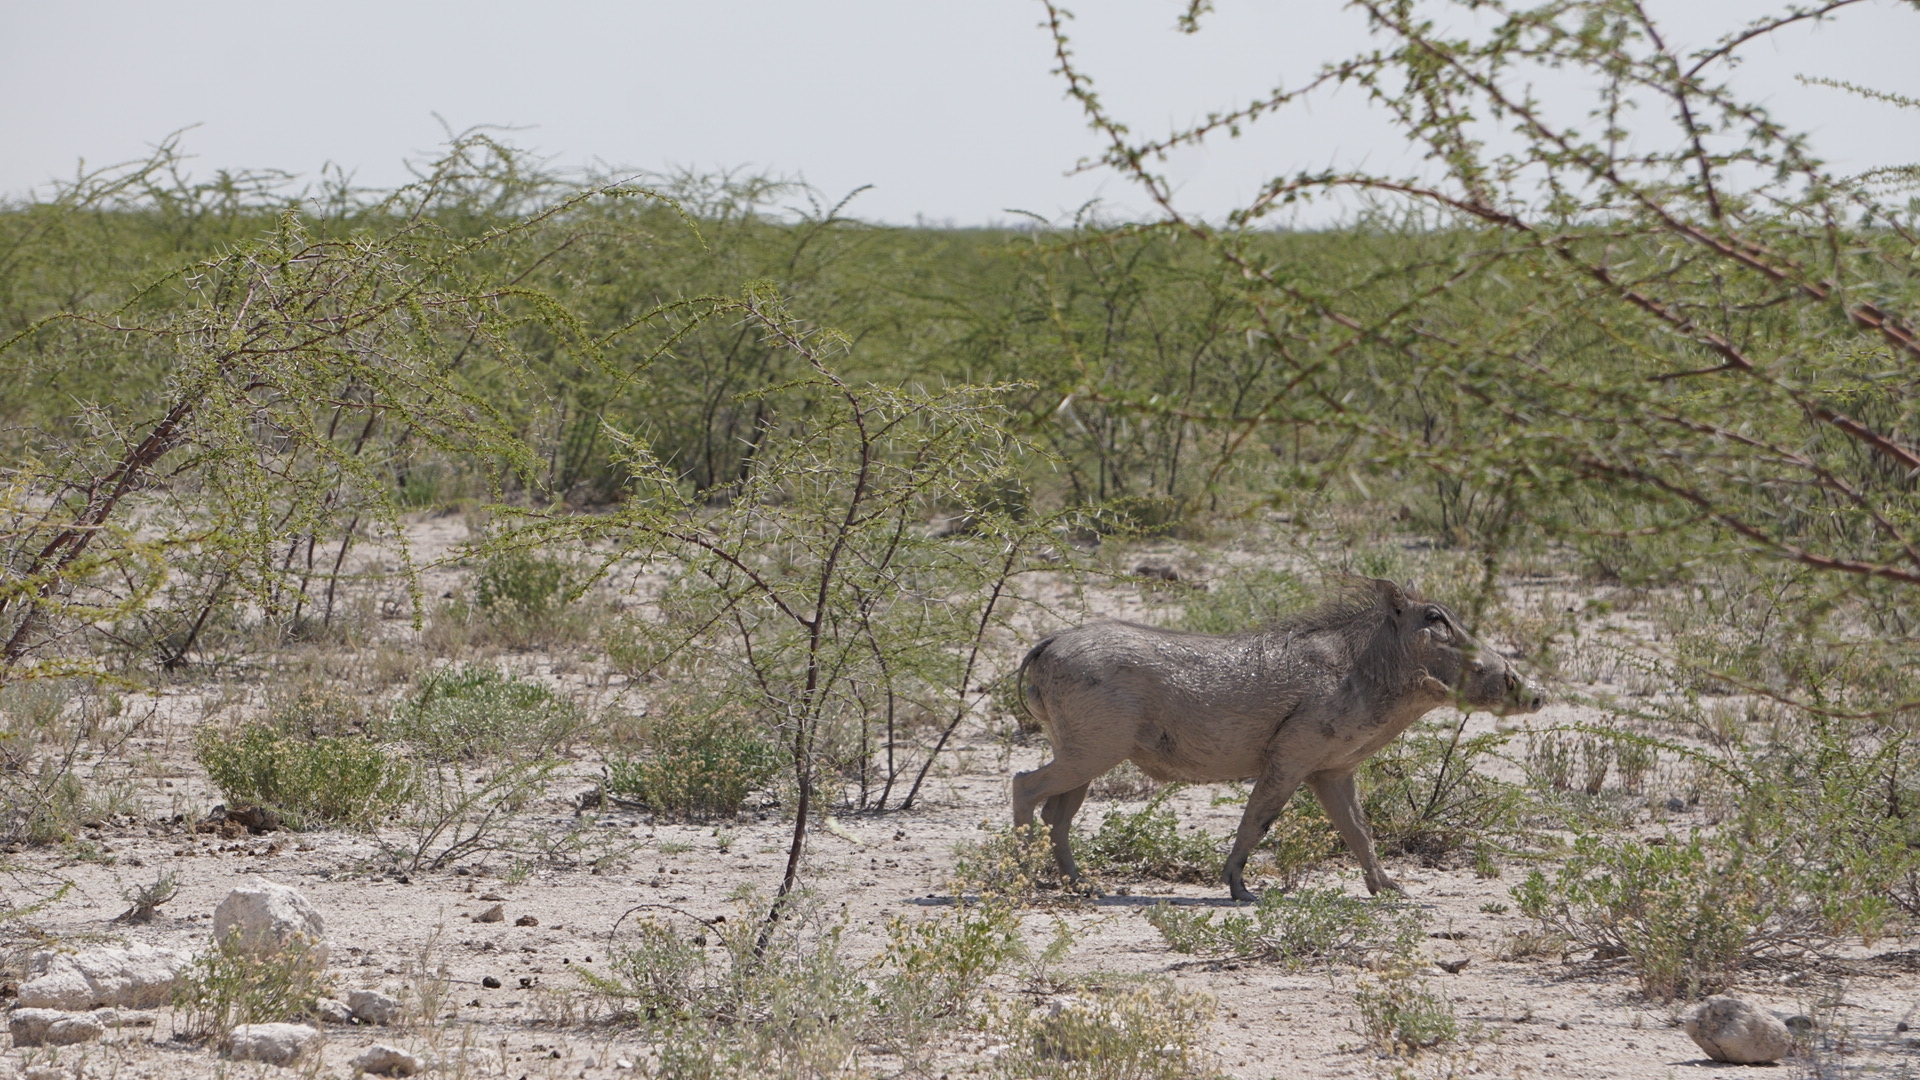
pixel 409 512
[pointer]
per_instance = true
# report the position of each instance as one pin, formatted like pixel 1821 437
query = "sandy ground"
pixel 1539 1017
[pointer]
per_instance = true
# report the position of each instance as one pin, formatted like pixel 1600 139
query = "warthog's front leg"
pixel 1342 800
pixel 1270 795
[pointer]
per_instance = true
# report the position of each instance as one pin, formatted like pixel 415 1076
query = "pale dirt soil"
pixel 1533 1018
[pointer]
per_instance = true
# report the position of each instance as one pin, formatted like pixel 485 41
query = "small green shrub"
pixel 1550 761
pixel 694 764
pixel 318 709
pixel 522 584
pixel 479 712
pixel 461 811
pixel 1148 843
pixel 1113 1028
pixel 1301 839
pixel 1403 1016
pixel 227 986
pixel 1244 600
pixel 1686 915
pixel 1426 795
pixel 48 728
pixel 1011 864
pixel 741 998
pixel 329 780
pixel 951 954
pixel 1296 929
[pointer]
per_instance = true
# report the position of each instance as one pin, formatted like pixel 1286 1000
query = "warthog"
pixel 1306 700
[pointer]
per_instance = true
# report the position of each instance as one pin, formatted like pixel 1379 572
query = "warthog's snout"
pixel 1522 696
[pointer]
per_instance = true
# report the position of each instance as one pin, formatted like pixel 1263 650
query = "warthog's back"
pixel 1181 706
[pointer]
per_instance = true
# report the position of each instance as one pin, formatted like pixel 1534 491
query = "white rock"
pixel 47 1072
pixel 332 1011
pixel 53 1027
pixel 373 1007
pixel 383 1060
pixel 1729 1029
pixel 266 918
pixel 275 1044
pixel 137 977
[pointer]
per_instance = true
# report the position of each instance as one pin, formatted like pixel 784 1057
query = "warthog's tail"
pixel 1025 715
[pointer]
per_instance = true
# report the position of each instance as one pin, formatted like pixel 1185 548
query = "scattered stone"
pixel 373 1007
pixel 231 824
pixel 1157 571
pixel 258 820
pixel 1901 1026
pixel 526 920
pixel 267 918
pixel 333 1011
pixel 1800 1025
pixel 1453 967
pixel 54 1027
pixel 490 897
pixel 490 983
pixel 1676 806
pixel 274 1044
pixel 136 977
pixel 496 913
pixel 1732 1030
pixel 383 1060
pixel 47 1072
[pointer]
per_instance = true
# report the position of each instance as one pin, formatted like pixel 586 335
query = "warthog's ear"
pixel 1391 593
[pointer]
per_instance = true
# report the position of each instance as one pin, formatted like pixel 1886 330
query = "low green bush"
pixel 945 959
pixel 1113 1027
pixel 477 712
pixel 1687 915
pixel 523 584
pixel 227 986
pixel 1403 1015
pixel 1243 600
pixel 1311 926
pixel 1425 793
pixel 742 997
pixel 1148 843
pixel 1010 864
pixel 48 729
pixel 329 780
pixel 696 763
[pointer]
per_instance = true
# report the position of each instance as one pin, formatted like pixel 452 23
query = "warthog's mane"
pixel 1354 612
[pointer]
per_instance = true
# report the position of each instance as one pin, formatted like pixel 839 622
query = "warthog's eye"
pixel 1434 616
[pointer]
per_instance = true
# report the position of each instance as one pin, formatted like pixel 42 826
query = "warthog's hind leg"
pixel 1058 813
pixel 1270 795
pixel 1062 785
pixel 1342 800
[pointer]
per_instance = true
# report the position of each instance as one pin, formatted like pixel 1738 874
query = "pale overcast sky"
pixel 947 107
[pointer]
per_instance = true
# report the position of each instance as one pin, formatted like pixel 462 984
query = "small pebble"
pixel 490 983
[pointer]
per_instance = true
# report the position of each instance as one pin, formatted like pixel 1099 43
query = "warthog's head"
pixel 1456 664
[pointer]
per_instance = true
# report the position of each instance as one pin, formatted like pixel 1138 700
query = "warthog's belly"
pixel 1164 756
